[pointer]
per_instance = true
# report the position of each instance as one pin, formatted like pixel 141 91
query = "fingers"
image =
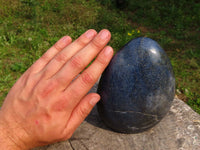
pixel 79 61
pixel 78 88
pixel 80 112
pixel 61 58
pixel 48 55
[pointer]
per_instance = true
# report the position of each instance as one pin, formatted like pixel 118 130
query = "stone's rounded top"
pixel 144 48
pixel 137 87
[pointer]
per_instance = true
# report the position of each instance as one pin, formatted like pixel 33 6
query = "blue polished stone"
pixel 137 88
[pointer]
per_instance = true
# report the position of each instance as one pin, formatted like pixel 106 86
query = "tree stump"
pixel 178 130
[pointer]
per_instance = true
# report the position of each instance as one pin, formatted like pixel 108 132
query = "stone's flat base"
pixel 178 130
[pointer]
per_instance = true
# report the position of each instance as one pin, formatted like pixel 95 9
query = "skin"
pixel 49 101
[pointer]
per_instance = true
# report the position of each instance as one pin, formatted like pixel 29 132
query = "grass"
pixel 29 27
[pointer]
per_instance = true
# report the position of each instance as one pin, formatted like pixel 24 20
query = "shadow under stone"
pixel 94 118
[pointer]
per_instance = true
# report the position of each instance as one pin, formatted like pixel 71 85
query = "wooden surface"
pixel 178 130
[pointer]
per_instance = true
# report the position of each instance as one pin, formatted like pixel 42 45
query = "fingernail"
pixel 89 34
pixel 94 100
pixel 104 34
pixel 65 38
pixel 108 51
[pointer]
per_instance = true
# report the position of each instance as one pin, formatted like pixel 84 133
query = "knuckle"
pixel 82 41
pixel 101 60
pixel 77 62
pixel 45 57
pixel 31 81
pixel 57 46
pixel 61 104
pixel 45 89
pixel 83 112
pixel 87 78
pixel 73 94
pixel 97 44
pixel 61 58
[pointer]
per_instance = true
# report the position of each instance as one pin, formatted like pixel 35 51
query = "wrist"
pixel 8 140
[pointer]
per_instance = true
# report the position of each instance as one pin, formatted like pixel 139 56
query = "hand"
pixel 50 99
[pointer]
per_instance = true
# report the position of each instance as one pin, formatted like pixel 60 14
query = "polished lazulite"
pixel 137 88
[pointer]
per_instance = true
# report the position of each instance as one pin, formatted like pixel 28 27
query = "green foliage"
pixel 195 104
pixel 29 27
pixel 18 67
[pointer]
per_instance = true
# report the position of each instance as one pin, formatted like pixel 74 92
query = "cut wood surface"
pixel 178 130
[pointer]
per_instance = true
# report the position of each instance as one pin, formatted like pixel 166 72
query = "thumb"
pixel 81 111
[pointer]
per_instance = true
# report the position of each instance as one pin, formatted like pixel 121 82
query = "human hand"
pixel 48 102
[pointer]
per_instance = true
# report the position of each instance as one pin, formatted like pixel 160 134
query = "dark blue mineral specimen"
pixel 137 88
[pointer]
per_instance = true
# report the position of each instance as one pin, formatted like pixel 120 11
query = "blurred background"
pixel 29 27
